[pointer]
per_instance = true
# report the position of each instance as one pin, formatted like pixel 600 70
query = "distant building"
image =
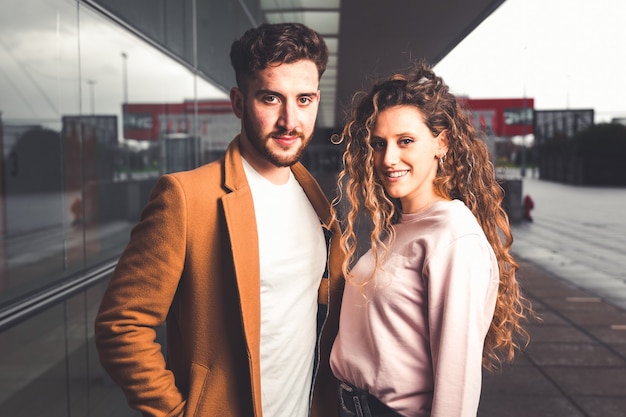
pixel 552 124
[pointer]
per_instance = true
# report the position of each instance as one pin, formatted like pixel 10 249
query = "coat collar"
pixel 235 179
pixel 234 175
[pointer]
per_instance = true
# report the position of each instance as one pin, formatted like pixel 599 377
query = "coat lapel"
pixel 314 193
pixel 241 222
pixel 242 229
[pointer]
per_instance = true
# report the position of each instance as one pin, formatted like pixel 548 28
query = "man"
pixel 232 256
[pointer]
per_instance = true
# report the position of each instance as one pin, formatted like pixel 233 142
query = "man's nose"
pixel 288 116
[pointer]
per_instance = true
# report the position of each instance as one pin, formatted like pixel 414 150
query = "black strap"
pixel 356 400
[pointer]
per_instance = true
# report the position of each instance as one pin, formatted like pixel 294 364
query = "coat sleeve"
pixel 137 301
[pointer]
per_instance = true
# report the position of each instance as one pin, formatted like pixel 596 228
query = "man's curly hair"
pixel 276 44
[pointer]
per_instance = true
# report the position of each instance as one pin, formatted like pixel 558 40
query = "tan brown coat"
pixel 193 260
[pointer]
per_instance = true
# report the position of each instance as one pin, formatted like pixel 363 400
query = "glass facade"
pixel 97 99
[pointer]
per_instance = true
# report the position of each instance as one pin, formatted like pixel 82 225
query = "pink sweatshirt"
pixel 415 340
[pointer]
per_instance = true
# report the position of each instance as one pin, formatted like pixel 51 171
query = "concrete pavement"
pixel 572 268
pixel 579 234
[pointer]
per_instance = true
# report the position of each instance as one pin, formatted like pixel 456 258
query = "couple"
pixel 244 259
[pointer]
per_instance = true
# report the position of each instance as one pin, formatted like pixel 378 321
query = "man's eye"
pixel 270 99
pixel 305 100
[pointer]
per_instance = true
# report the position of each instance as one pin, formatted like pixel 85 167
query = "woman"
pixel 435 298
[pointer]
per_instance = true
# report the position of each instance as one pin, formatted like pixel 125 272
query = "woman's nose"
pixel 391 155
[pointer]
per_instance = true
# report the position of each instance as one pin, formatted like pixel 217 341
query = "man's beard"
pixel 260 144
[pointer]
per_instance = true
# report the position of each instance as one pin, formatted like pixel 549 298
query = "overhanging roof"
pixel 379 37
pixel 374 38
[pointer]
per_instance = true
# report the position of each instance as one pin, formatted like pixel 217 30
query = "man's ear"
pixel 236 101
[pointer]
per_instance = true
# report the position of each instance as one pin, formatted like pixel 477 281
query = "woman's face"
pixel 406 155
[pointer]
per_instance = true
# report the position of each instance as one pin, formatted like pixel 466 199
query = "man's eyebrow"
pixel 264 92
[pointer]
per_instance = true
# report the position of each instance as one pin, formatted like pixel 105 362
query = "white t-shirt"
pixel 416 342
pixel 292 253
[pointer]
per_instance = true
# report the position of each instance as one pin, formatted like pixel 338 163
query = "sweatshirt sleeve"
pixel 137 301
pixel 462 289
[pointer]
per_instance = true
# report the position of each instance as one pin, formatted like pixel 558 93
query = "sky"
pixel 565 54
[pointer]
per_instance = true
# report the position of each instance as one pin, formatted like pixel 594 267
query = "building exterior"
pixel 75 174
pixel 97 99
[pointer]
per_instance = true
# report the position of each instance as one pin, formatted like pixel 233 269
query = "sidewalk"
pixel 575 365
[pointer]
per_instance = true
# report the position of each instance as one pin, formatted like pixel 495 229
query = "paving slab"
pixel 573 269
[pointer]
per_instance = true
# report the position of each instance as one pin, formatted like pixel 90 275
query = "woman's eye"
pixel 378 144
pixel 406 141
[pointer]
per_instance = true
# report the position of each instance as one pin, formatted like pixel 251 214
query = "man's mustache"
pixel 288 133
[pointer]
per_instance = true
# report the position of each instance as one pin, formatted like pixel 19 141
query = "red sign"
pixel 155 120
pixel 502 117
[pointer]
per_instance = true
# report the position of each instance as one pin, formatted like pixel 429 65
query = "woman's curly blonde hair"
pixel 466 174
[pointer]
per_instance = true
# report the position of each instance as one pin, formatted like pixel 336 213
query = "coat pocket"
pixel 197 385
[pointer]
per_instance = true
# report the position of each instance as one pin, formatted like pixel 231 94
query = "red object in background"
pixel 529 204
pixel 147 121
pixel 504 117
